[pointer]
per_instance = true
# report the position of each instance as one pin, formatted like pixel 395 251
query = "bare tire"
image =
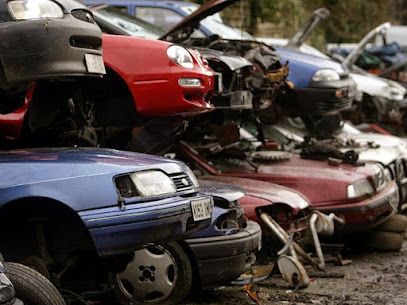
pixel 36 263
pixel 385 241
pixel 396 223
pixel 32 287
pixel 157 274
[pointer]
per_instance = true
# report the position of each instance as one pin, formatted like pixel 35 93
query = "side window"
pixel 162 17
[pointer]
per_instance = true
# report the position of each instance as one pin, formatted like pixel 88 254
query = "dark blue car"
pixel 81 215
pixel 321 86
pixel 63 205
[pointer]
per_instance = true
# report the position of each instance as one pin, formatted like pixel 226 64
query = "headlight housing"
pixel 153 183
pixel 193 178
pixel 326 75
pixel 34 9
pixel 180 56
pixel 360 188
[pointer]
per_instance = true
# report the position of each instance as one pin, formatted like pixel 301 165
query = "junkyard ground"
pixel 372 278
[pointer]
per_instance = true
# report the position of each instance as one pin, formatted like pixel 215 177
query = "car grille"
pixel 182 182
pixel 329 106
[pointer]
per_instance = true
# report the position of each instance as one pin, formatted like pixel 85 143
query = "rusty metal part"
pixel 287 246
pixel 279 232
pixel 321 224
pixel 252 293
pixel 315 238
pixel 283 236
pixel 256 274
pixel 293 272
pixel 277 75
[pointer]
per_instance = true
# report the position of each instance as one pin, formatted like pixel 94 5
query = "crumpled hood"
pixel 234 62
pixel 37 165
pixel 220 190
pixel 270 192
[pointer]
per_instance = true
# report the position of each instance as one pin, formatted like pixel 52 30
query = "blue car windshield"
pixel 130 24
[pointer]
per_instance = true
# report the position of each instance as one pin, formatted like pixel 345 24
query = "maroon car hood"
pixel 183 29
pixel 321 183
pixel 265 190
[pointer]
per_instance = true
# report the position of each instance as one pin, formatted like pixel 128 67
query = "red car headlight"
pixel 180 56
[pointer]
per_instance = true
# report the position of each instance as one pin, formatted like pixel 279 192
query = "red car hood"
pixel 183 29
pixel 267 191
pixel 304 168
pixel 321 183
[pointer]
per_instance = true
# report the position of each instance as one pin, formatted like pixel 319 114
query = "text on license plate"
pixel 202 209
pixel 95 64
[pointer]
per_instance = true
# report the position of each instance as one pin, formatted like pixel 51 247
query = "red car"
pixel 287 206
pixel 360 194
pixel 145 78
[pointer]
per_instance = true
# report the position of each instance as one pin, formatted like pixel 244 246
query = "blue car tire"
pixel 157 274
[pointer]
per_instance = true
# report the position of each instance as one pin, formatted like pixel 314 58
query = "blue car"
pixel 321 86
pixel 66 204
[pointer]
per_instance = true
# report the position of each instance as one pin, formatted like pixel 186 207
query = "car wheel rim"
pixel 150 276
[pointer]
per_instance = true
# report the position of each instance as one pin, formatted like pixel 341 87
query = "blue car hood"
pixel 303 66
pixel 38 165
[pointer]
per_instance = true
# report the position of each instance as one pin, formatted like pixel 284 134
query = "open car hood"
pixel 355 53
pixel 299 38
pixel 186 27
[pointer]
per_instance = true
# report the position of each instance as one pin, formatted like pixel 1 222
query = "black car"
pixel 45 39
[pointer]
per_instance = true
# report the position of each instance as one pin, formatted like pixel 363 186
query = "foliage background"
pixel 349 20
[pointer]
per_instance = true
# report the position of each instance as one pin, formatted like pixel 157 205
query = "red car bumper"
pixel 368 213
pixel 168 97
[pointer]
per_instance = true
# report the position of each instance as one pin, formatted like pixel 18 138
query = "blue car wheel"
pixel 157 274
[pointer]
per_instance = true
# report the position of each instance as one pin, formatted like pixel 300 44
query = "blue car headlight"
pixel 326 75
pixel 153 183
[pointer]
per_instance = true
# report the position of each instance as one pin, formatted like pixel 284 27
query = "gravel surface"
pixel 372 278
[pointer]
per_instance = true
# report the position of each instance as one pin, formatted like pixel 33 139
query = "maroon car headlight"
pixel 180 56
pixel 360 189
pixel 34 9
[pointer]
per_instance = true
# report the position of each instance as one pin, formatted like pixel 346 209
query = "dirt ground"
pixel 372 278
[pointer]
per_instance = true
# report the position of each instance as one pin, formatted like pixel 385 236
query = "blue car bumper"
pixel 118 230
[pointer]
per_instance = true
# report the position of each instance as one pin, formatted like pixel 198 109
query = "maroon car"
pixel 360 194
